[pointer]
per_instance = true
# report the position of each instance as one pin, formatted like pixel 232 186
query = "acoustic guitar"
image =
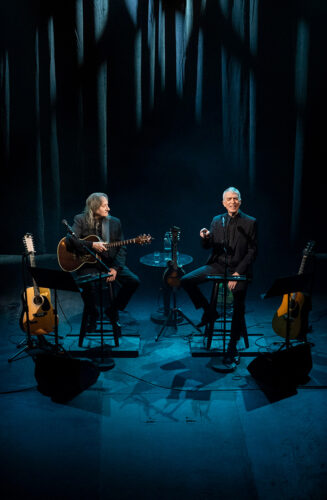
pixel 70 260
pixel 174 272
pixel 297 302
pixel 41 315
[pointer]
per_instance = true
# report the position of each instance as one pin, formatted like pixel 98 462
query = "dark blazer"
pixel 241 247
pixel 111 230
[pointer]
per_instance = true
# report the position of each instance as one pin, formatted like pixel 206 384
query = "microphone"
pixel 223 220
pixel 69 229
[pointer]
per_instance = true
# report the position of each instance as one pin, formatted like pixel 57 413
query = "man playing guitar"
pixel 95 220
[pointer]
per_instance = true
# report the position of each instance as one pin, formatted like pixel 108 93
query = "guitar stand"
pixel 174 316
pixel 287 285
pixel 28 346
pixel 27 342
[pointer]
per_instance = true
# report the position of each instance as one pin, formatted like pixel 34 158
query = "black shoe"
pixel 228 364
pixel 117 329
pixel 207 317
pixel 232 359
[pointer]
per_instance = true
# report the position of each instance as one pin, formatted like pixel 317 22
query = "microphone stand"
pixel 225 286
pixel 103 366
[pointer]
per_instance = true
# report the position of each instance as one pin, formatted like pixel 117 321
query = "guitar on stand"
pixel 41 316
pixel 171 279
pixel 291 318
pixel 38 316
pixel 174 272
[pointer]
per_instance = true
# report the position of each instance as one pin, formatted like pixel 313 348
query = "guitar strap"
pixel 106 229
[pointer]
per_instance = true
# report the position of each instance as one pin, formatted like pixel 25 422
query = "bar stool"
pixel 226 322
pixel 114 331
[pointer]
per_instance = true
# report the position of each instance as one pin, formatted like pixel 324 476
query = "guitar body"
pixel 173 276
pixel 279 322
pixel 71 261
pixel 41 317
pixel 40 312
pixel 299 307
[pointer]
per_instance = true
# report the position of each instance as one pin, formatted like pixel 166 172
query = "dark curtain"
pixel 163 104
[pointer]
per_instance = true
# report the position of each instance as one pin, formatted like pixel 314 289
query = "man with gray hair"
pixel 233 240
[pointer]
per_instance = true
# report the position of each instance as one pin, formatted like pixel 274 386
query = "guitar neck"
pixel 304 258
pixel 35 285
pixel 120 243
pixel 174 254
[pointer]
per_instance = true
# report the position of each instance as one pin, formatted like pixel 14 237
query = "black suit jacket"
pixel 241 247
pixel 111 226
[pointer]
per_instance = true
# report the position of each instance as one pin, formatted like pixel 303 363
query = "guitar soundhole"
pixel 38 300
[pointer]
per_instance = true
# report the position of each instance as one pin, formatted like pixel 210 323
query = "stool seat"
pixel 228 277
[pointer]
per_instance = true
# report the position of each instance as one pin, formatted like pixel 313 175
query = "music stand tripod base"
pixel 161 318
pixel 174 317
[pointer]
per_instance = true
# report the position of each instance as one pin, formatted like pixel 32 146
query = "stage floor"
pixel 163 424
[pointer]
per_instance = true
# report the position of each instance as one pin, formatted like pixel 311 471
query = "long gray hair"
pixel 92 204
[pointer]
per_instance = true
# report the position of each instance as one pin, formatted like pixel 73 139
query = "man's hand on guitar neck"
pixel 99 246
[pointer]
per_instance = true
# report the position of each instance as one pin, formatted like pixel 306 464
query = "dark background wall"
pixel 164 104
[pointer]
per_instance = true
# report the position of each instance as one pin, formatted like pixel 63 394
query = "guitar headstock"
pixel 309 248
pixel 175 233
pixel 143 239
pixel 28 243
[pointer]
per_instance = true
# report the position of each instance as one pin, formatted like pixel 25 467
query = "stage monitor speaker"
pixel 62 377
pixel 285 368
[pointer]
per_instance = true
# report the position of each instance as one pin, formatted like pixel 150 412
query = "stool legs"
pixel 208 333
pixel 209 330
pixel 116 329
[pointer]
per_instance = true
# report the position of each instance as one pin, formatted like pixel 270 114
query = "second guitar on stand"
pixel 174 272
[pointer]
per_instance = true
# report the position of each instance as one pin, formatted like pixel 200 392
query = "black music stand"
pixel 27 342
pixel 219 278
pixel 288 285
pixel 55 280
pixel 61 280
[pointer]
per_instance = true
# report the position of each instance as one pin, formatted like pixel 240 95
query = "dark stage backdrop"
pixel 164 104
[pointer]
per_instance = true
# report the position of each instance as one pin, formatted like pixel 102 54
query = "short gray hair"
pixel 234 190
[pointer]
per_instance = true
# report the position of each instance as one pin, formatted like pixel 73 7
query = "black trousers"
pixel 190 284
pixel 126 283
